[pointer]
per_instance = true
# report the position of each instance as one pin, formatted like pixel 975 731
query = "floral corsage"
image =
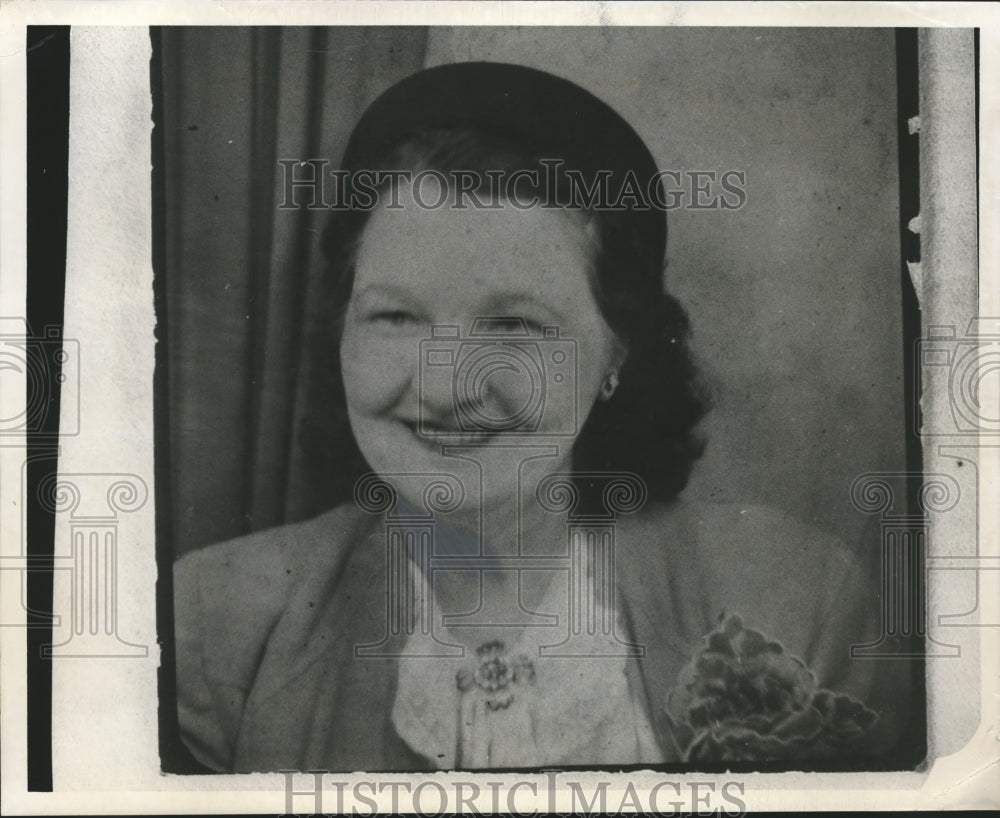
pixel 743 698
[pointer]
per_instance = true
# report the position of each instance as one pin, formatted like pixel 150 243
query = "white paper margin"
pixel 105 747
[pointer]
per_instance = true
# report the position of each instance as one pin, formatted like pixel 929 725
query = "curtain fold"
pixel 239 270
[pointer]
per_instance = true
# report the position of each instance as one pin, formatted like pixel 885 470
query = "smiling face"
pixel 416 269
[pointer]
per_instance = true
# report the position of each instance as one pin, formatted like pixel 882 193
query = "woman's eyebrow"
pixel 387 290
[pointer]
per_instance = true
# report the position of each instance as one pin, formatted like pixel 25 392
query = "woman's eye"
pixel 534 326
pixel 514 326
pixel 393 318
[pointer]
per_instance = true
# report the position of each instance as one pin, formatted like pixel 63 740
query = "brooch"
pixel 496 674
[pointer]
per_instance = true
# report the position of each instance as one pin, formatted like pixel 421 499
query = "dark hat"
pixel 557 118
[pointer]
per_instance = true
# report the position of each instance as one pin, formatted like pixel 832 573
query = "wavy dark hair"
pixel 648 425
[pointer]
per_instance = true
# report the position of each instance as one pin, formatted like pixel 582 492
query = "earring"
pixel 609 386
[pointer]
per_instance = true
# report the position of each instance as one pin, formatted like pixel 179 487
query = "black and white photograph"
pixel 572 402
pixel 524 376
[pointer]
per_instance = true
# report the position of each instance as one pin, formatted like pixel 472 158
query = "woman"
pixel 499 332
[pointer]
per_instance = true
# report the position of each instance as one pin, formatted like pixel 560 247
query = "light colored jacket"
pixel 265 629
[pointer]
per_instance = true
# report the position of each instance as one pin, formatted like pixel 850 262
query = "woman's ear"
pixel 619 354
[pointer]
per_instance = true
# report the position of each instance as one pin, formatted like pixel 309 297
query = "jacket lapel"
pixel 665 606
pixel 314 704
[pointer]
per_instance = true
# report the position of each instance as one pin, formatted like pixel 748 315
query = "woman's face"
pixel 409 394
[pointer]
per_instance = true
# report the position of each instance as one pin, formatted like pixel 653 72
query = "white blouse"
pixel 511 706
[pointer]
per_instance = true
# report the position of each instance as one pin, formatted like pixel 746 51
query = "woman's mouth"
pixel 434 436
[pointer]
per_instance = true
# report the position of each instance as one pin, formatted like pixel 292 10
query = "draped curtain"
pixel 239 270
